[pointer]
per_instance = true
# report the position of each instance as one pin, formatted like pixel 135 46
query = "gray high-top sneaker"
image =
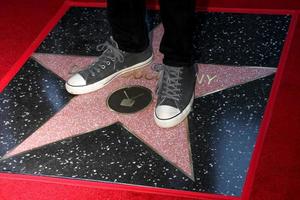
pixel 175 95
pixel 109 65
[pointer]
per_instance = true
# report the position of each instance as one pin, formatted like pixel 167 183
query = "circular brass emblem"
pixel 130 99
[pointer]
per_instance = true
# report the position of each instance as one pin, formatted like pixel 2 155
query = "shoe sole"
pixel 168 123
pixel 100 84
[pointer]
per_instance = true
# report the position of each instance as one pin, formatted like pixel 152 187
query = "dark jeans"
pixel 127 19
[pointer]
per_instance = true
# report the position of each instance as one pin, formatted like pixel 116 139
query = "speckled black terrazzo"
pixel 31 98
pixel 239 39
pixel 223 128
pixel 111 154
pixel 81 30
pixel 219 38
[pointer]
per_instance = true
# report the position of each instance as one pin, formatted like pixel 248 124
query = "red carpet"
pixel 44 188
pixel 22 189
pixel 278 172
pixel 23 25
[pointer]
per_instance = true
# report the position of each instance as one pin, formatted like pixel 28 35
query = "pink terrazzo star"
pixel 89 112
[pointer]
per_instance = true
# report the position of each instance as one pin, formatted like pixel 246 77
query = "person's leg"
pixel 128 48
pixel 178 75
pixel 178 21
pixel 127 20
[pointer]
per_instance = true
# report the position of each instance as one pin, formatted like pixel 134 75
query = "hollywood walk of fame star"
pixel 89 112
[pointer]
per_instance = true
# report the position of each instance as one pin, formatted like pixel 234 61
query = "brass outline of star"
pixel 158 58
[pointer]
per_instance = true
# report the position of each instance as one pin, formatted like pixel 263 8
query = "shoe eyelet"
pixel 102 66
pixel 108 63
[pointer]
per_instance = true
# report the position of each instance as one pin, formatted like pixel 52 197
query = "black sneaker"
pixel 109 65
pixel 175 95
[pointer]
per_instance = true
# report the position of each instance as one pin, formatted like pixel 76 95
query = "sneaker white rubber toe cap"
pixel 165 112
pixel 76 81
pixel 166 116
pixel 76 84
